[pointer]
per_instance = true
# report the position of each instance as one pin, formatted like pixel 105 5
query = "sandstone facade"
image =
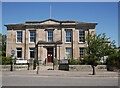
pixel 41 43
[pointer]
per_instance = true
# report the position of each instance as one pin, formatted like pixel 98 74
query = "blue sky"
pixel 103 13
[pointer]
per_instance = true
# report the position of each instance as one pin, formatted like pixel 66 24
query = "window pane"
pixel 81 36
pixel 82 52
pixel 68 36
pixel 32 52
pixel 32 49
pixel 68 39
pixel 19 49
pixel 68 53
pixel 50 35
pixel 19 52
pixel 19 36
pixel 32 36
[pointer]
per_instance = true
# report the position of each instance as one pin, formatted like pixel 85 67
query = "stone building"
pixel 48 39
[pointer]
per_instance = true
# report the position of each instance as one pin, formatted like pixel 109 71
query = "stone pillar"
pixel 30 61
pixel 27 44
pixel 75 46
pixel 41 54
pixel 55 62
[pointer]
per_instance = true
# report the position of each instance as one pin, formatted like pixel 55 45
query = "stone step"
pixel 44 68
pixel 48 64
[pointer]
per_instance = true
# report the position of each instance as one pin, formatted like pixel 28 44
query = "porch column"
pixel 54 53
pixel 59 53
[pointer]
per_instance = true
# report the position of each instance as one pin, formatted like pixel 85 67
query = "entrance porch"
pixel 46 52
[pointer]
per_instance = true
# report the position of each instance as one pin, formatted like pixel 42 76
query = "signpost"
pixel 12 62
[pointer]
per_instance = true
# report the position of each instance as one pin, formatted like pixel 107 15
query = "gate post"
pixel 30 61
pixel 55 64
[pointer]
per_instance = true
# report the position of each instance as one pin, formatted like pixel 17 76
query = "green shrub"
pixel 74 62
pixel 58 62
pixel 113 62
pixel 6 60
pixel 83 62
pixel 101 63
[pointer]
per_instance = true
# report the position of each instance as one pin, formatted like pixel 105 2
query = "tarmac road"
pixel 20 78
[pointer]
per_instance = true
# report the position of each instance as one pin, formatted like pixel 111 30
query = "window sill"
pixel 50 41
pixel 81 42
pixel 18 42
pixel 67 42
pixel 31 42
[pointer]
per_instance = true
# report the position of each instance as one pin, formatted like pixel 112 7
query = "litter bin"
pixel 64 65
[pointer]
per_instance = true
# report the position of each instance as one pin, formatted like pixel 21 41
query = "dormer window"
pixel 50 36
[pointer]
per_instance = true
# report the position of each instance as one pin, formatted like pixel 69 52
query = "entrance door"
pixel 49 54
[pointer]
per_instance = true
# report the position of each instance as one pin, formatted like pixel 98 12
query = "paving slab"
pixel 62 73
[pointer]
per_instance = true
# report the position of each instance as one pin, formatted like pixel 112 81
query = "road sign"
pixel 12 52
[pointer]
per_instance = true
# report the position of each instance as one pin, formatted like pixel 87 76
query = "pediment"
pixel 49 22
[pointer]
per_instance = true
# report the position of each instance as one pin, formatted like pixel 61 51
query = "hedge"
pixel 113 62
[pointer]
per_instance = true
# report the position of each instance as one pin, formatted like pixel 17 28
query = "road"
pixel 16 79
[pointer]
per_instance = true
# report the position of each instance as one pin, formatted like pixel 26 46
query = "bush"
pixel 74 62
pixel 101 63
pixel 6 60
pixel 77 62
pixel 113 62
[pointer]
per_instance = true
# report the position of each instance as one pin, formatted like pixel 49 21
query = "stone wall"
pixel 71 67
pixel 87 68
pixel 16 67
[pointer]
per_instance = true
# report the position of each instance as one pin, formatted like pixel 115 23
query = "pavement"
pixel 63 73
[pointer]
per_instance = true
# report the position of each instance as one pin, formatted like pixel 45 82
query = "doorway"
pixel 50 55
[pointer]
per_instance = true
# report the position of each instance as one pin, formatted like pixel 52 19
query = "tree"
pixel 113 61
pixel 3 45
pixel 97 48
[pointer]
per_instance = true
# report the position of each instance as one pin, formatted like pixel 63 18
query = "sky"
pixel 103 13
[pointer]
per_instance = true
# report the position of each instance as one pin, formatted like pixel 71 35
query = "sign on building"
pixel 12 52
pixel 21 61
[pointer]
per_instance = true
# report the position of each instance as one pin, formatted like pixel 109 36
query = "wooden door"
pixel 50 55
